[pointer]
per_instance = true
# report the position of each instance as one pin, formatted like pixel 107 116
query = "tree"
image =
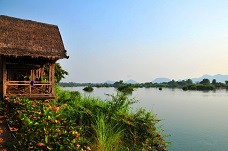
pixel 173 83
pixel 118 83
pixel 226 81
pixel 59 73
pixel 205 81
pixel 189 81
pixel 214 82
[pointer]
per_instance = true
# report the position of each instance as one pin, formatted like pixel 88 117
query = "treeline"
pixel 188 84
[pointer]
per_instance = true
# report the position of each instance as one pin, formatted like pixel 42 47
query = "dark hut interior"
pixel 27 48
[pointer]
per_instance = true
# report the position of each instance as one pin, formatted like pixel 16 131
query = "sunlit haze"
pixel 132 39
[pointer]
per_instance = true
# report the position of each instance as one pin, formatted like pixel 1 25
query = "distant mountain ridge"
pixel 161 80
pixel 128 82
pixel 217 77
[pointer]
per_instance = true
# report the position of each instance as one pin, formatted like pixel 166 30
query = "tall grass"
pixel 108 134
pixel 111 125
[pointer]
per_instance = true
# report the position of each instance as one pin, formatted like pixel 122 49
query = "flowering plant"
pixel 40 126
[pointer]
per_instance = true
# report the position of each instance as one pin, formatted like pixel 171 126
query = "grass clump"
pixel 108 135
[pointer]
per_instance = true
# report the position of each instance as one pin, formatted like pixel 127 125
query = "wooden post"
pixel 31 78
pixel 4 71
pixel 42 73
pixel 1 75
pixel 52 78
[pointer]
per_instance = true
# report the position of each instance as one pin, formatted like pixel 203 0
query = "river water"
pixel 196 120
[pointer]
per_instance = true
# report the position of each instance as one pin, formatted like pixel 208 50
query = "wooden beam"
pixel 52 77
pixel 42 72
pixel 4 71
pixel 21 66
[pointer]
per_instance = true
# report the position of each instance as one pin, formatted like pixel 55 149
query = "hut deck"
pixel 24 89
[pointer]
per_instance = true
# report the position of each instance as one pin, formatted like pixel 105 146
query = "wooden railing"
pixel 26 88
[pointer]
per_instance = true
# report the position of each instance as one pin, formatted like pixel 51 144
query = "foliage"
pixel 81 123
pixel 185 88
pixel 108 134
pixel 189 81
pixel 205 81
pixel 199 87
pixel 118 83
pixel 140 130
pixel 88 89
pixel 214 82
pixel 226 82
pixel 126 88
pixel 171 84
pixel 59 72
pixel 41 126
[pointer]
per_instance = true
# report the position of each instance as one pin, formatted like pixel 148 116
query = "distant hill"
pixel 130 82
pixel 160 80
pixel 218 77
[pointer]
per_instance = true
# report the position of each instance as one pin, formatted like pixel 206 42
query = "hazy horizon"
pixel 129 39
pixel 195 79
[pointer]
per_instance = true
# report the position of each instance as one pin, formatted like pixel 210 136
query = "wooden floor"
pixel 5 133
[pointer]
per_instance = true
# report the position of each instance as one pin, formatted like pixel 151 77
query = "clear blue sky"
pixel 132 39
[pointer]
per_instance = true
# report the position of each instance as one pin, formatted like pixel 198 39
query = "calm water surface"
pixel 196 120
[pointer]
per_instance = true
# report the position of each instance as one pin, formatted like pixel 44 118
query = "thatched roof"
pixel 26 38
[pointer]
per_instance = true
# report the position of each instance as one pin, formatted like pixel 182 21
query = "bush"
pixel 40 126
pixel 199 87
pixel 185 88
pixel 88 89
pixel 126 88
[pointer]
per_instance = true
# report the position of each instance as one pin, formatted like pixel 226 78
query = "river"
pixel 196 120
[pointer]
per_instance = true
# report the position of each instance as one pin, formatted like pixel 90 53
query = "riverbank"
pixel 85 123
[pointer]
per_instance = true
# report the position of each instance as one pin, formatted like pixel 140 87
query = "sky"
pixel 134 39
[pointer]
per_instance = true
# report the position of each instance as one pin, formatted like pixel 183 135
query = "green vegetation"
pixel 199 87
pixel 88 89
pixel 184 84
pixel 73 122
pixel 126 88
pixel 59 72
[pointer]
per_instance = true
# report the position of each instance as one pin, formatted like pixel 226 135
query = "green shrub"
pixel 88 89
pixel 185 88
pixel 41 127
pixel 126 88
pixel 108 135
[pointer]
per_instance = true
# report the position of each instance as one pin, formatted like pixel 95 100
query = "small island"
pixel 88 89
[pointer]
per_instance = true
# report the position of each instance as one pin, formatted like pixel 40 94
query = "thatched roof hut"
pixel 21 38
pixel 25 48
